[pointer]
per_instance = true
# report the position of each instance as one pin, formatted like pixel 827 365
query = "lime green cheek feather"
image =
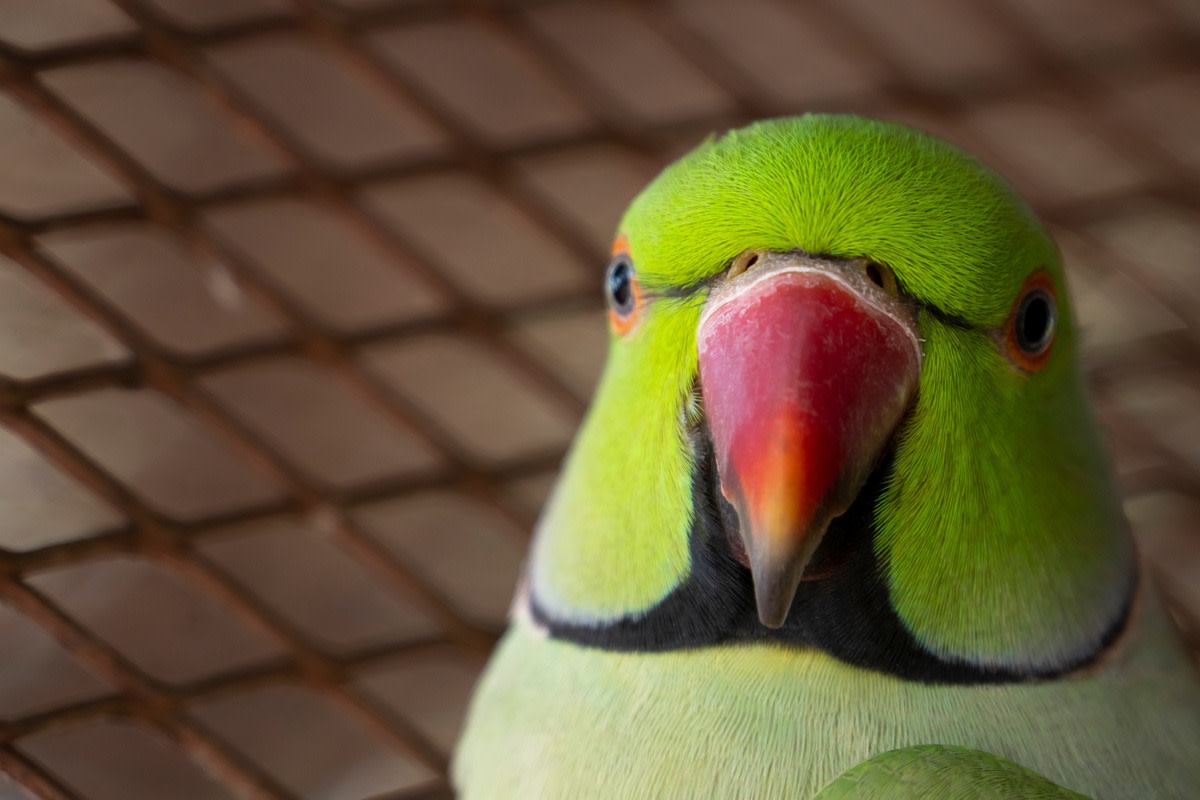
pixel 630 469
pixel 1025 566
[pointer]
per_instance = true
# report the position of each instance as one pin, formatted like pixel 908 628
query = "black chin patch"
pixel 843 608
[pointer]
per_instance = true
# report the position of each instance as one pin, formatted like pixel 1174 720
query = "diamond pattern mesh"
pixel 299 307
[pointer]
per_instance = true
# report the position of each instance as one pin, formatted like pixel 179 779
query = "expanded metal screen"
pixel 299 306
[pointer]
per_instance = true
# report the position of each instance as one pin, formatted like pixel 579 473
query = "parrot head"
pixel 843 410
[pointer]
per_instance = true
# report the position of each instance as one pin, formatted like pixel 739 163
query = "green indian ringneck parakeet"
pixel 839 522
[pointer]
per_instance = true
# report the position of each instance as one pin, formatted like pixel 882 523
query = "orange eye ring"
pixel 621 289
pixel 1029 333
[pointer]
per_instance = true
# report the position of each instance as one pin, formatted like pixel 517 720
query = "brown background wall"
pixel 299 306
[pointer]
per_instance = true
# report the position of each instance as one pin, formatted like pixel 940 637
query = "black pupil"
pixel 1034 322
pixel 620 287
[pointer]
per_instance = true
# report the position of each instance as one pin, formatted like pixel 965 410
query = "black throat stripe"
pixel 847 614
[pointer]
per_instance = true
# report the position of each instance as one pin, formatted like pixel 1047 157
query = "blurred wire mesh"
pixel 299 307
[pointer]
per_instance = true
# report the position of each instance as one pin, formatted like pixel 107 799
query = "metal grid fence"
pixel 299 307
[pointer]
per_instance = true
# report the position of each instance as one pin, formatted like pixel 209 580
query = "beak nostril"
pixel 875 275
pixel 881 276
pixel 744 261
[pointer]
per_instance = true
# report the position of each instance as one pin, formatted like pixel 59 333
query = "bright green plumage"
pixel 996 530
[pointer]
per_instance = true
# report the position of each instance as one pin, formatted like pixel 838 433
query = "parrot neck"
pixel 845 610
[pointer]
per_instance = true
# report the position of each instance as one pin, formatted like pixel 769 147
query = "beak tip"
pixel 771 619
pixel 778 570
pixel 774 601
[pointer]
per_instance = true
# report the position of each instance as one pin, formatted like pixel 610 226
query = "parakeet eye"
pixel 621 288
pixel 619 284
pixel 1030 333
pixel 1035 321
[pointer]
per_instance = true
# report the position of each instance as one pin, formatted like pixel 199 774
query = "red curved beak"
pixel 806 368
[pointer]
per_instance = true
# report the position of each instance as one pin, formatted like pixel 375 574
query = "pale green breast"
pixel 556 720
